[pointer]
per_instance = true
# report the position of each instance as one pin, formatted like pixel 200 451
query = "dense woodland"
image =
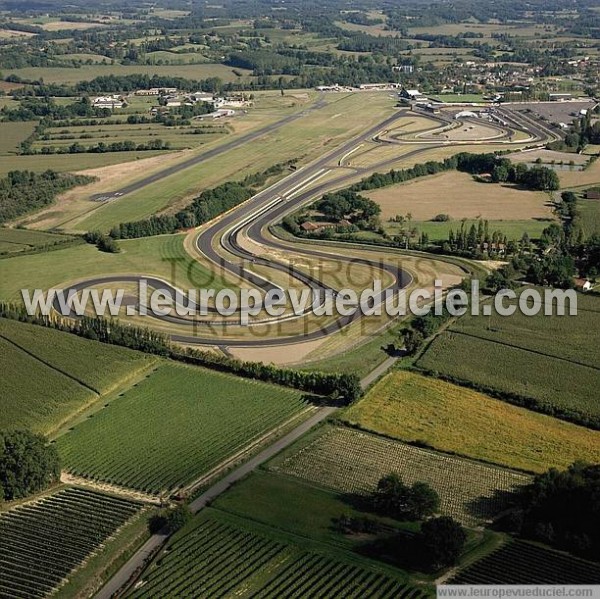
pixel 561 508
pixel 22 192
pixel 27 464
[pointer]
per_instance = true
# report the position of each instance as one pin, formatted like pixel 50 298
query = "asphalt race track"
pixel 253 217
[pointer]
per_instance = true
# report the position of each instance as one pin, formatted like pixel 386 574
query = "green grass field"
pixel 50 376
pixel 19 240
pixel 12 134
pixel 163 256
pixel 70 162
pixel 427 411
pixel 520 355
pixel 64 75
pixel 360 360
pixel 218 555
pixel 459 97
pixel 176 425
pixel 351 461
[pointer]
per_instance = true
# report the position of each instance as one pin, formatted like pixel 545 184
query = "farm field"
pixel 520 562
pixel 351 461
pixel 418 409
pixel 43 541
pixel 70 162
pixel 217 555
pixel 551 384
pixel 95 365
pixel 579 335
pixel 180 423
pixel 590 213
pixel 12 134
pixel 178 137
pixel 460 196
pixel 65 75
pixel 50 376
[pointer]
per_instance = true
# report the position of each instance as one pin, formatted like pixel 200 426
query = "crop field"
pixel 214 557
pixel 590 213
pixel 177 424
pixel 12 134
pixel 520 562
pixel 179 137
pixel 553 385
pixel 45 540
pixel 460 196
pixel 34 395
pixel 87 72
pixel 97 366
pixel 423 410
pixel 48 376
pixel 579 335
pixel 351 461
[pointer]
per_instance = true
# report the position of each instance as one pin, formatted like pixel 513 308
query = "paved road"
pixel 226 147
pixel 379 371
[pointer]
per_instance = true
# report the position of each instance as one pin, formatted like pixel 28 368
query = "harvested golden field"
pixel 574 178
pixel 411 407
pixel 460 196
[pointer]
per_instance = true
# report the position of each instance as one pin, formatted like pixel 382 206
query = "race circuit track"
pixel 220 242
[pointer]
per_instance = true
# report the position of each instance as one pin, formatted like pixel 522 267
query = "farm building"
pixel 583 284
pixel 201 97
pixel 156 91
pixel 110 102
pixel 412 95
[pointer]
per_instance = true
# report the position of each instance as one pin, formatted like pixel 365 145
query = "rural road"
pixel 138 560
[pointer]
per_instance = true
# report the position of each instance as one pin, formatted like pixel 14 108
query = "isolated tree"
pixel 443 540
pixel 170 520
pixel 423 501
pixel 398 500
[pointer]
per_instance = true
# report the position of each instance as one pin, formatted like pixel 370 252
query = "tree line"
pixel 208 205
pixel 345 388
pixel 125 145
pixel 560 508
pixel 22 192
